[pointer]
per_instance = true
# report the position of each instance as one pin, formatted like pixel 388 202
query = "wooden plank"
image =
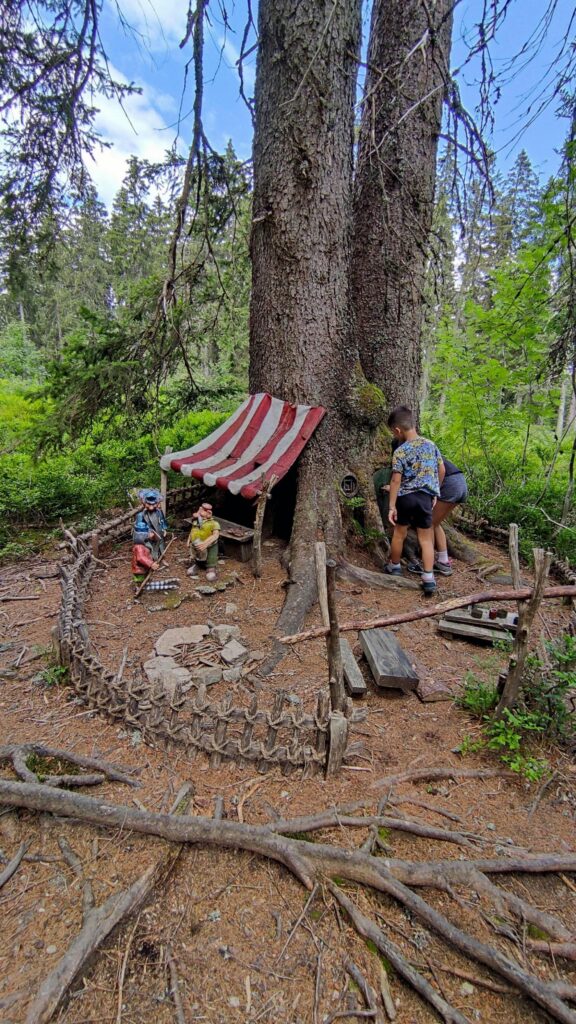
pixel 508 622
pixel 353 678
pixel 473 632
pixel 389 664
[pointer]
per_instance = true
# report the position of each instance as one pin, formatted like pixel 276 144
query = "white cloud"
pixel 160 23
pixel 137 128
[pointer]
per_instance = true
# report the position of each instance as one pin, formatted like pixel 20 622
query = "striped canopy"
pixel 261 439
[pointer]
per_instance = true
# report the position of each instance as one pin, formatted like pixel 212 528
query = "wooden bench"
pixel 389 664
pixel 236 540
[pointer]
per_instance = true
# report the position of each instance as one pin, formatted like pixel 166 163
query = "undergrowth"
pixel 541 713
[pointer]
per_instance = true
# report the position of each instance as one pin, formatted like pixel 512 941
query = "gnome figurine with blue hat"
pixel 150 527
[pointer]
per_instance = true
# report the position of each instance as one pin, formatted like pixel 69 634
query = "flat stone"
pixel 166 671
pixel 206 591
pixel 223 632
pixel 207 675
pixel 232 675
pixel 257 655
pixel 230 608
pixel 171 640
pixel 233 652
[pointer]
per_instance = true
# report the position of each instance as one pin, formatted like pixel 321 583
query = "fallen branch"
pixel 522 594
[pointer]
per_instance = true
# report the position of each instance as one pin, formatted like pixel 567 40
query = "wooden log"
pixel 389 664
pixel 335 668
pixel 353 678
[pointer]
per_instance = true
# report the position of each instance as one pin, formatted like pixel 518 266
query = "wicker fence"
pixel 284 735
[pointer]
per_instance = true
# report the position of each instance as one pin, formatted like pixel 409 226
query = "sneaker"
pixel 443 568
pixel 429 587
pixel 392 570
pixel 416 567
pixel 192 571
pixel 211 575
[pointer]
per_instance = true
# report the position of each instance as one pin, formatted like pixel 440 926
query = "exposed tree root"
pixel 97 924
pixel 309 861
pixel 20 755
pixel 391 951
pixel 354 573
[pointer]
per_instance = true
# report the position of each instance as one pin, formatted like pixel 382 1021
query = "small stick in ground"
pixel 123 970
pixel 175 986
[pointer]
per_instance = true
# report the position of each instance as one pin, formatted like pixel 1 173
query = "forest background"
pixel 93 386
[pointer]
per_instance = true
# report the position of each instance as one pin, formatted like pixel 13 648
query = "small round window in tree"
pixel 349 485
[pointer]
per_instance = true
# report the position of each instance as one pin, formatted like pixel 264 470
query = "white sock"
pixel 442 557
pixel 395 565
pixel 428 577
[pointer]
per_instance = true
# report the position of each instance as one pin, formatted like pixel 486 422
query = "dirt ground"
pixel 243 950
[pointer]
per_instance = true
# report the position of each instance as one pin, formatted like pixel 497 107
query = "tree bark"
pixel 408 62
pixel 300 333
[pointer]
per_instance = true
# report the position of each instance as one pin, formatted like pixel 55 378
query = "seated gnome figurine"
pixel 203 541
pixel 150 519
pixel 142 560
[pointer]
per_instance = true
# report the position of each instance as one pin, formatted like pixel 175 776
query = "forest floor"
pixel 229 916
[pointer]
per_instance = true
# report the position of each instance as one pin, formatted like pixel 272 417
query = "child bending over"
pixel 417 473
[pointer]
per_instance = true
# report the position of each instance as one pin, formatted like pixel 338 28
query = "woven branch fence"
pixel 284 735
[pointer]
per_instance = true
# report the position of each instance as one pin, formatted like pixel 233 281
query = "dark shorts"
pixel 454 489
pixel 415 509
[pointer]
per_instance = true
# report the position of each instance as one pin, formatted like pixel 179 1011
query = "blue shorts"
pixel 454 489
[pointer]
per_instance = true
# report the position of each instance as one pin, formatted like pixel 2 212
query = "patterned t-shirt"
pixel 418 462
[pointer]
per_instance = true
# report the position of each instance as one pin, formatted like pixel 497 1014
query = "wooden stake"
pixel 526 615
pixel 164 482
pixel 320 559
pixel 267 486
pixel 335 669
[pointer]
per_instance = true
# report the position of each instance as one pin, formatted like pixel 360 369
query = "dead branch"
pixel 508 594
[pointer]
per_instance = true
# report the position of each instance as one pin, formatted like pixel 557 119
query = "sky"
pixel 149 56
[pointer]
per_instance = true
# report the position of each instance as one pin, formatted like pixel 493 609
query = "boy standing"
pixel 417 472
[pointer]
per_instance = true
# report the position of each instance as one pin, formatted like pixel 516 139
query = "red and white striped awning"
pixel 261 439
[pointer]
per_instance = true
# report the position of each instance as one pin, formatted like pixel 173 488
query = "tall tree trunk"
pixel 408 64
pixel 300 336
